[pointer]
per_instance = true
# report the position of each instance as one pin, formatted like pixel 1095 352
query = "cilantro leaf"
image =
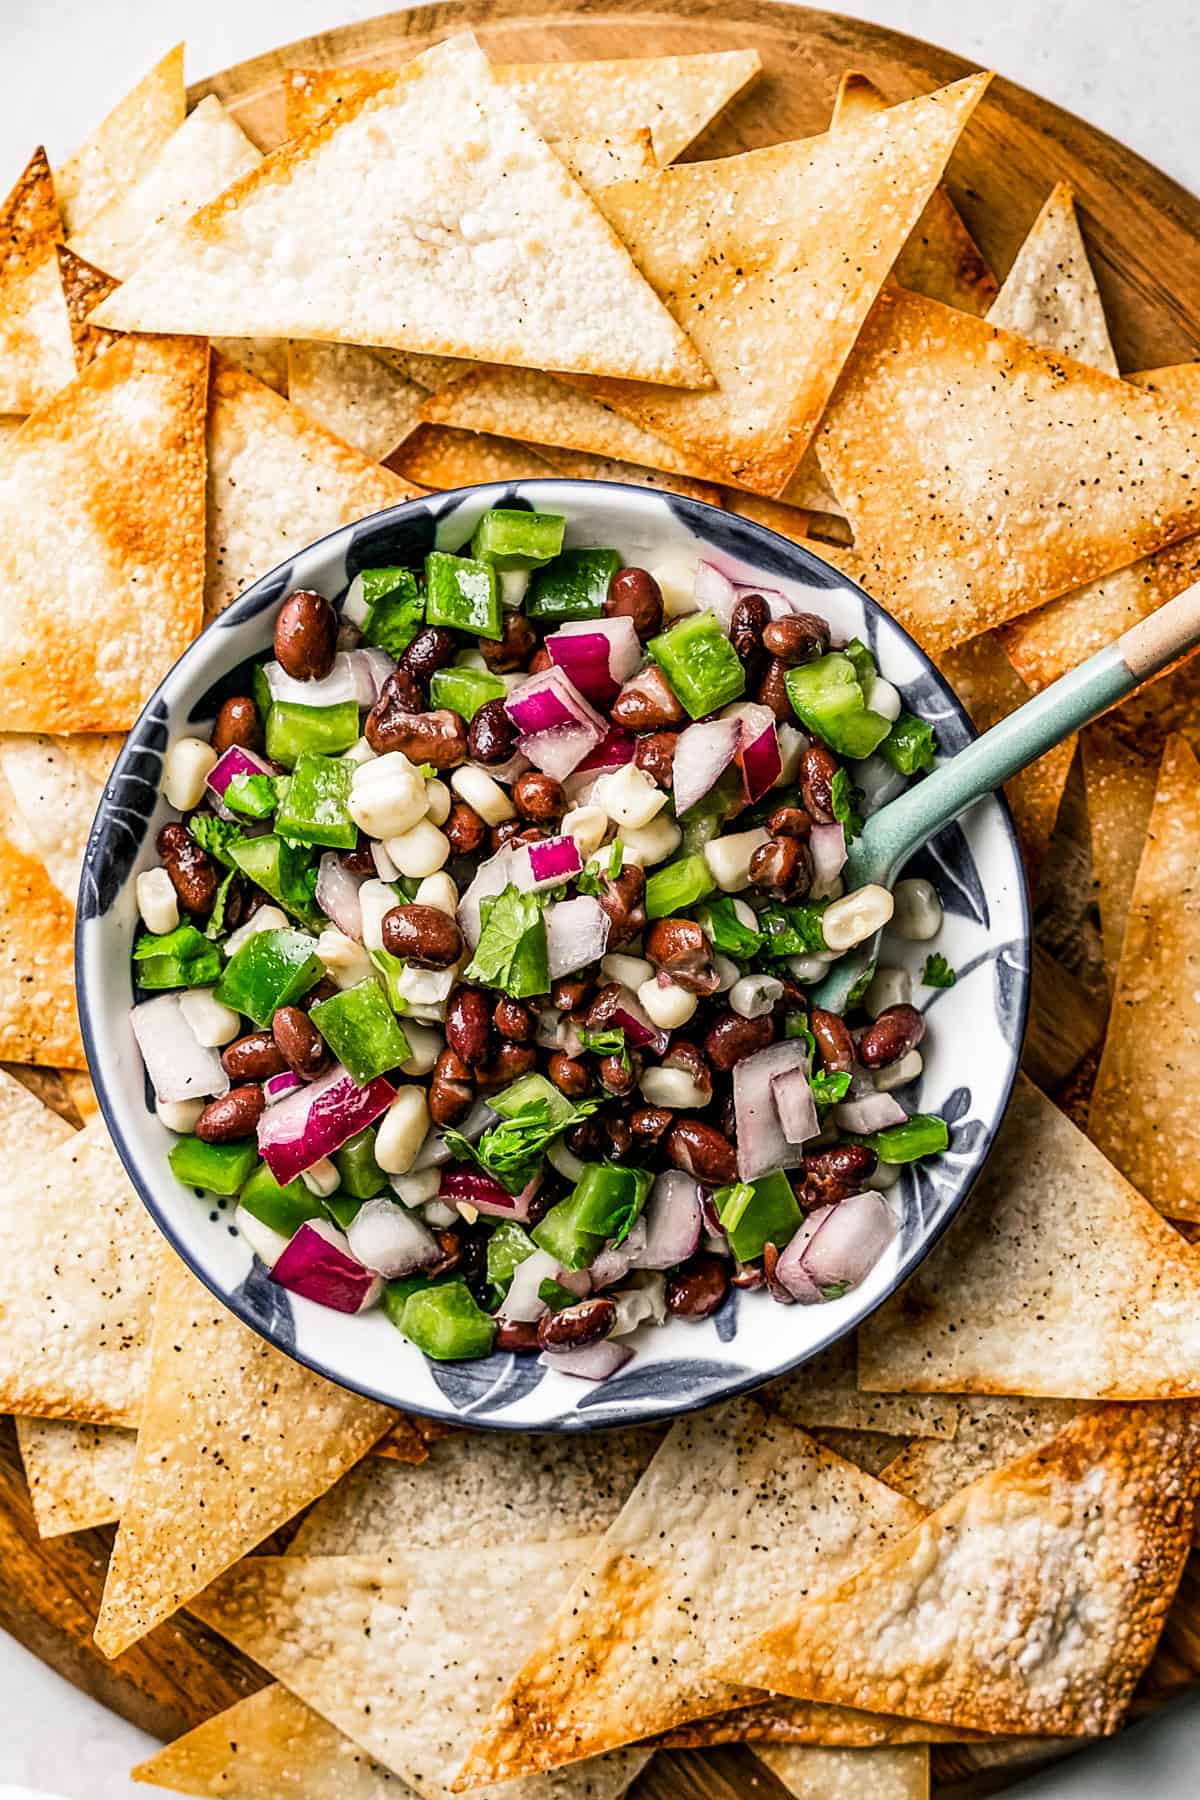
pixel 855 996
pixel 216 918
pixel 254 795
pixel 608 1043
pixel 726 932
pixel 511 953
pixel 846 799
pixel 937 972
pixel 512 1151
pixel 616 859
pixel 217 836
pixel 589 880
pixel 793 930
pixel 828 1088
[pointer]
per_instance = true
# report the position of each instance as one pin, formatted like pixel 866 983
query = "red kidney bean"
pixel 192 870
pixel 634 594
pixel 697 1289
pixel 655 756
pixel 680 948
pixel 358 861
pixel 783 868
pixel 789 822
pixel 252 1058
pixel 539 797
pixel 238 725
pixel 818 766
pixel 235 1115
pixel 730 1037
pixel 648 1123
pixel 772 692
pixel 570 1077
pixel 800 638
pixel 451 1089
pixel 510 1062
pixel 518 1335
pixel 574 1327
pixel 439 737
pixel 750 618
pixel 424 935
pixel 620 1138
pixel 468 1025
pixel 687 1056
pixel 430 650
pixel 514 1020
pixel 703 1151
pixel 492 736
pixel 896 1031
pixel 570 991
pixel 514 649
pixel 619 1074
pixel 306 636
pixel 646 703
pixel 624 900
pixel 299 1042
pixel 464 828
pixel 833 1041
pixel 836 1173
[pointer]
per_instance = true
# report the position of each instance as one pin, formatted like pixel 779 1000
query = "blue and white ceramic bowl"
pixel 971 1050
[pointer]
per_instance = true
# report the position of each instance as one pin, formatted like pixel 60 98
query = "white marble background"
pixel 1130 68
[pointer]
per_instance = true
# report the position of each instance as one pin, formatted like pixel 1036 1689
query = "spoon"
pixel 892 835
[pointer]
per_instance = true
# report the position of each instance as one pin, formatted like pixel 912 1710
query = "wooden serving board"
pixel 1143 231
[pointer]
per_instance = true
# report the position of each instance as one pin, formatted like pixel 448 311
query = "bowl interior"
pixel 971 1049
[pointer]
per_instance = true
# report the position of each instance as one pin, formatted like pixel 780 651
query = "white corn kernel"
pixel 889 987
pixel 883 1176
pixel 417 1189
pixel 157 901
pixel 673 1088
pixel 426 991
pixel 667 1007
pixel 267 918
pixel 267 1244
pixel 792 745
pixel 439 891
pixel 588 825
pixel 179 1115
pixel 755 995
pixel 653 843
pixel 856 917
pixel 376 899
pixel 728 858
pixel 918 913
pixel 900 1073
pixel 629 797
pixel 811 967
pixel 211 1023
pixel 402 1131
pixel 188 765
pixel 630 971
pixel 745 915
pixel 728 973
pixel 360 753
pixel 676 576
pixel 513 583
pixel 421 851
pixel 882 698
pixel 322 1179
pixel 470 659
pixel 345 962
pixel 488 798
pixel 437 802
pixel 387 796
pixel 425 1046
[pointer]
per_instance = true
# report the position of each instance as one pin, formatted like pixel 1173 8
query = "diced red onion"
pixel 179 1068
pixel 318 1263
pixel 673 1219
pixel 318 1119
pixel 334 689
pixel 612 1264
pixel 268 1245
pixel 576 935
pixel 762 1144
pixel 385 868
pixel 506 772
pixel 849 1242
pixel 790 1273
pixel 337 895
pixel 276 1086
pixel 615 750
pixel 576 1281
pixel 635 1022
pixel 371 668
pixel 874 1112
pixel 558 753
pixel 490 878
pixel 595 1362
pixel 702 755
pixel 715 592
pixel 523 1304
pixel 472 1187
pixel 597 655
pixel 793 1097
pixel 828 846
pixel 779 604
pixel 547 864
pixel 389 1240
pixel 235 761
pixel 758 751
pixel 710 1215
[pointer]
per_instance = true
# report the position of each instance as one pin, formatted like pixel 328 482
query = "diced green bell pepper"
pixel 604 1205
pixel 362 1030
pixel 574 586
pixel 462 593
pixel 702 668
pixel 827 696
pixel 464 691
pixel 220 1168
pixel 361 1175
pixel 272 969
pixel 316 809
pixel 925 1134
pixel 180 958
pixel 762 1212
pixel 254 796
pixel 514 539
pixel 678 885
pixel 293 729
pixel 864 662
pixel 442 1318
pixel 507 1246
pixel 285 1209
pixel 528 1091
pixel 909 745
pixel 343 1209
pixel 396 608
pixel 287 874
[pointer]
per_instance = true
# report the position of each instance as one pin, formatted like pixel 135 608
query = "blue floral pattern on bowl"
pixel 971 1051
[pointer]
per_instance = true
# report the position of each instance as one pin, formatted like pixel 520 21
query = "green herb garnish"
pixel 216 919
pixel 828 1088
pixel 608 1043
pixel 855 996
pixel 512 1151
pixel 726 932
pixel 511 953
pixel 846 799
pixel 937 972
pixel 216 835
pixel 793 930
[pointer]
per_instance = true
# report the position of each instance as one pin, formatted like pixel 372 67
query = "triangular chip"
pixel 84 286
pixel 354 394
pixel 1030 475
pixel 783 1721
pixel 406 1652
pixel 235 1437
pixel 427 213
pixel 78 1084
pixel 438 457
pixel 1050 294
pixel 35 341
pixel 991 1432
pixel 814 1774
pixel 277 481
pixel 940 257
pixel 578 467
pixel 123 143
pixel 78 1258
pixel 30 1133
pixel 270 1747
pixel 770 262
pixel 57 797
pixel 736 1517
pixel 678 97
pixel 1030 1602
pixel 78 1475
pixel 825 1392
pixel 998 1306
pixel 38 1019
pixel 111 471
pixel 1143 1112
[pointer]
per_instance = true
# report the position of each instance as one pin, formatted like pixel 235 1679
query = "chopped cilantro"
pixel 616 859
pixel 589 880
pixel 216 926
pixel 511 953
pixel 937 972
pixel 846 800
pixel 607 1043
pixel 254 795
pixel 512 1151
pixel 793 930
pixel 216 835
pixel 726 932
pixel 855 996
pixel 828 1089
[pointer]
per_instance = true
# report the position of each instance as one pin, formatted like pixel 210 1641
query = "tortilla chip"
pixel 84 286
pixel 440 458
pixel 35 342
pixel 1025 469
pixel 595 162
pixel 813 1774
pixel 1143 1103
pixel 355 395
pixel 235 1437
pixel 277 481
pixel 603 468
pixel 272 1747
pixel 677 96
pixel 38 1020
pixel 940 257
pixel 346 234
pixel 789 521
pixel 123 143
pixel 57 798
pixel 1050 294
pixel 78 1475
pixel 825 1392
pixel 111 471
pixel 82 1093
pixel 75 1285
pixel 783 1721
pixel 869 1450
pixel 405 1442
pixel 1030 1602
pixel 406 1652
pixel 693 1561
pixel 990 1434
pixel 1025 1295
pixel 770 262
pixel 30 1134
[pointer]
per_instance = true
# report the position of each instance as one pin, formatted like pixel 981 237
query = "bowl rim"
pixel 247 607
